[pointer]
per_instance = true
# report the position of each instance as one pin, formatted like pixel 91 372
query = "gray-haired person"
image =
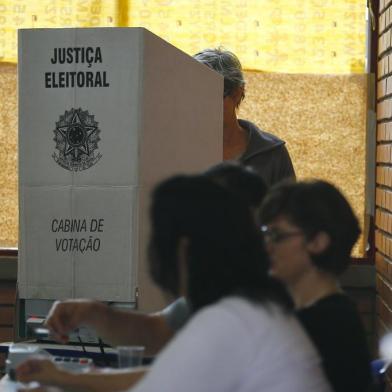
pixel 243 140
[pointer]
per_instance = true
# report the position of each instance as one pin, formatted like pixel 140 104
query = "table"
pixel 109 358
pixel 6 385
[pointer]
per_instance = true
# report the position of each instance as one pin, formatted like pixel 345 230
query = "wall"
pixel 7 301
pixel 383 214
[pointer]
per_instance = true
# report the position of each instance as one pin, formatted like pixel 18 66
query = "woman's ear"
pixel 319 243
pixel 182 265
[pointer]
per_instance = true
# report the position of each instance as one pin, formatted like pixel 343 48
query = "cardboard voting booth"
pixel 104 113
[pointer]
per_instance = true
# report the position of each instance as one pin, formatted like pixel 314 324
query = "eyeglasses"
pixel 276 236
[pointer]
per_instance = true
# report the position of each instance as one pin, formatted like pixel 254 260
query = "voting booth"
pixel 104 114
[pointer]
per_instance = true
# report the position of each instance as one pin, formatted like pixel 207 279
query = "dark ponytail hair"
pixel 226 255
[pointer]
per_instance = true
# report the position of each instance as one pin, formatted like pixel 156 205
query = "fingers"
pixel 37 369
pixel 57 319
pixel 64 339
pixel 29 370
pixel 62 318
pixel 65 316
pixel 40 389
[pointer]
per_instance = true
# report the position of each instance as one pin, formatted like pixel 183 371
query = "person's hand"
pixel 43 371
pixel 40 389
pixel 64 316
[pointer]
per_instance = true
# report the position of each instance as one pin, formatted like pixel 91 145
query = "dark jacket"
pixel 266 154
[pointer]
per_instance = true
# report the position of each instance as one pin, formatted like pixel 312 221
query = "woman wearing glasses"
pixel 310 230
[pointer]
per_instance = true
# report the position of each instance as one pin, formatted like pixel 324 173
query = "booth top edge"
pixel 40 29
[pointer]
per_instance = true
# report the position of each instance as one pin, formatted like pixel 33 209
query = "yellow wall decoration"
pixel 291 36
pixel 8 157
pixel 18 14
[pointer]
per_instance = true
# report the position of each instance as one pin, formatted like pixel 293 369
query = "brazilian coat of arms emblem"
pixel 76 137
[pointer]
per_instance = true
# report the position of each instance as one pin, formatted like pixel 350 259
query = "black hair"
pixel 316 206
pixel 225 254
pixel 241 180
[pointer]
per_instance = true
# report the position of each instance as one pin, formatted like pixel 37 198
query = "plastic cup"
pixel 130 356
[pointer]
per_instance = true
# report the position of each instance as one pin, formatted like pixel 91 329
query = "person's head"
pixel 308 225
pixel 241 180
pixel 204 243
pixel 228 65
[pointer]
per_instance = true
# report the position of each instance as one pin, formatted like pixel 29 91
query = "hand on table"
pixel 40 389
pixel 43 371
